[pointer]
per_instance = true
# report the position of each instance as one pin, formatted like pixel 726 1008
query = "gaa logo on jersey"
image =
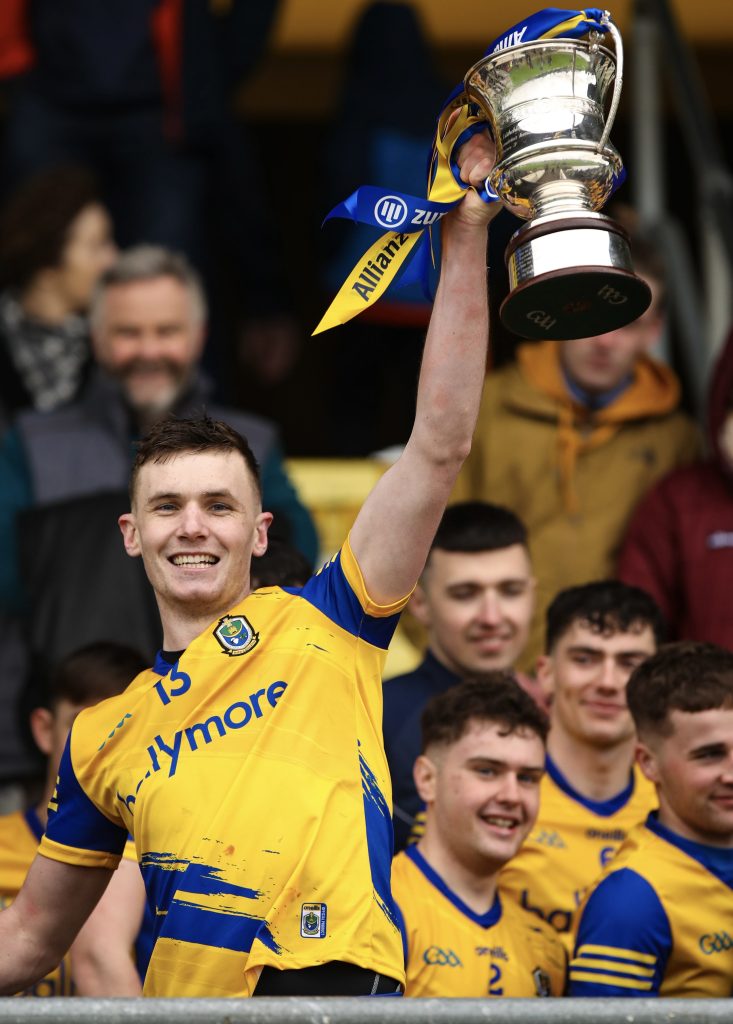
pixel 313 921
pixel 236 635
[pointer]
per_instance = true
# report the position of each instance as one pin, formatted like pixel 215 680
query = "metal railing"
pixel 700 290
pixel 366 1011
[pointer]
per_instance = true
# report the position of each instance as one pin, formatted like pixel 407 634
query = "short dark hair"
pixel 608 606
pixel 686 676
pixel 35 221
pixel 282 565
pixel 85 676
pixel 490 697
pixel 172 436
pixel 478 526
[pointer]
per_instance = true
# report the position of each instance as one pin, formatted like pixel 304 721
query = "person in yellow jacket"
pixel 571 436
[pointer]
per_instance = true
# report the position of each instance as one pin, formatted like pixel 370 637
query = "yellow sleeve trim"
pixel 617 951
pixel 81 858
pixel 598 979
pixel 614 965
pixel 352 572
pixel 129 853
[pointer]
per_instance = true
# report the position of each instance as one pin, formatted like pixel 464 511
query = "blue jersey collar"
pixel 603 808
pixel 715 859
pixel 486 920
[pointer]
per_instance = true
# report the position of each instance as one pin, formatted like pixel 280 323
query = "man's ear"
pixel 646 758
pixel 545 673
pixel 418 605
pixel 262 525
pixel 425 773
pixel 41 723
pixel 130 538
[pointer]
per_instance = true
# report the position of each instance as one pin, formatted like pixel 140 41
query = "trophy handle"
pixel 618 81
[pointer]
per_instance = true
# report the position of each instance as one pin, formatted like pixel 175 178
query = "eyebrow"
pixel 168 495
pixel 478 759
pixel 582 649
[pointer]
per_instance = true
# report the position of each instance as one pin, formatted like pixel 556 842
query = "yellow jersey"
pixel 572 841
pixel 19 837
pixel 659 921
pixel 252 777
pixel 453 951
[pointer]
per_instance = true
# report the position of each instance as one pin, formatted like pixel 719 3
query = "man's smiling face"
pixel 196 521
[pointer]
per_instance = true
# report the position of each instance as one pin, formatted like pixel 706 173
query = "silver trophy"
pixel 570 270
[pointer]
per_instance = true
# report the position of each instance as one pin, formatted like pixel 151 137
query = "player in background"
pixel 479 775
pixel 475 600
pixel 591 794
pixel 659 921
pixel 81 680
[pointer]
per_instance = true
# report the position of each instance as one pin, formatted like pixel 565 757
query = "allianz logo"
pixel 717 942
pixel 548 837
pixel 437 957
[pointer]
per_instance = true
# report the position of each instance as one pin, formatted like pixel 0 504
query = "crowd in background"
pixel 592 522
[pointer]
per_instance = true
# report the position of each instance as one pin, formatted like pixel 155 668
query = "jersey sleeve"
pixel 338 590
pixel 77 832
pixel 624 940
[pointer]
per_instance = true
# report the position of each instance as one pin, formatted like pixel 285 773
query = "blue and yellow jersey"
pixel 19 837
pixel 452 951
pixel 253 779
pixel 659 921
pixel 572 841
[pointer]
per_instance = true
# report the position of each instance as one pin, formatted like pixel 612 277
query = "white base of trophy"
pixel 571 277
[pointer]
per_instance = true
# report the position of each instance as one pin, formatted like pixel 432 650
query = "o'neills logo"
pixel 372 271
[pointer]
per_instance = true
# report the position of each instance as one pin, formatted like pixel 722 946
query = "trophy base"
pixel 571 277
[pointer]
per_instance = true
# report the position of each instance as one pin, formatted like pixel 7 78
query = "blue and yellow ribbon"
pixel 407 217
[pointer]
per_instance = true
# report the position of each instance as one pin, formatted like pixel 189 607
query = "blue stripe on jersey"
pixel 34 823
pixel 180 918
pixel 485 920
pixel 77 822
pixel 186 922
pixel 330 592
pixel 715 859
pixel 604 808
pixel 626 919
pixel 380 841
pixel 403 931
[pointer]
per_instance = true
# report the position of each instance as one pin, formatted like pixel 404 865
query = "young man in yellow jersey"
pixel 483 754
pixel 659 922
pixel 248 764
pixel 82 679
pixel 591 795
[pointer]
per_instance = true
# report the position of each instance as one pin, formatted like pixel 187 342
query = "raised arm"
pixel 41 923
pixel 394 529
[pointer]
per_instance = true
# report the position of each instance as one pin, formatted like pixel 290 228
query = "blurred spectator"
pixel 80 681
pixel 142 91
pixel 679 545
pixel 657 922
pixel 377 140
pixel 475 599
pixel 591 794
pixel 55 241
pixel 148 324
pixel 573 435
pixel 483 753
